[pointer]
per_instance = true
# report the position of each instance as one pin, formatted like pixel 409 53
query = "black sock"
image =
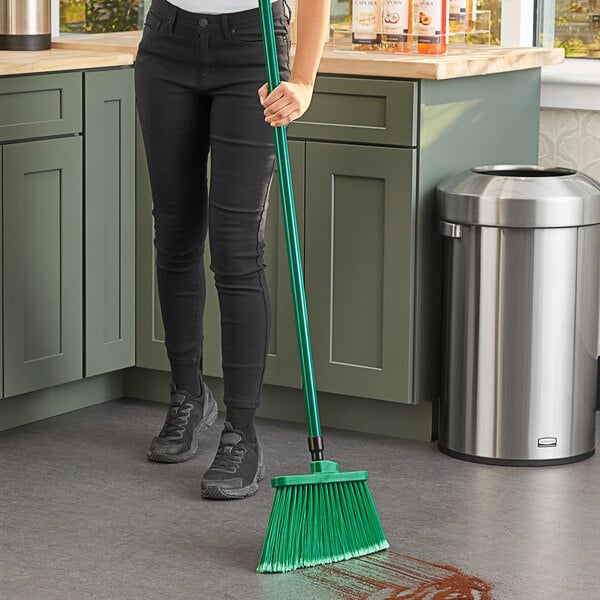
pixel 242 419
pixel 187 377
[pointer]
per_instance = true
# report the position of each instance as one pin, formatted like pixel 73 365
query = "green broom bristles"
pixel 320 518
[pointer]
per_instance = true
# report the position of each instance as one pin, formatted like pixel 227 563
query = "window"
pixel 571 24
pixel 96 16
pixel 495 8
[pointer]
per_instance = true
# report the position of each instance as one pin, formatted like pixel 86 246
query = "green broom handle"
pixel 291 236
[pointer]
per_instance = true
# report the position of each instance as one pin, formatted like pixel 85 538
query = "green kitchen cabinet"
pixel 68 192
pixel 372 251
pixel 40 327
pixel 359 204
pixel 109 230
pixel 42 275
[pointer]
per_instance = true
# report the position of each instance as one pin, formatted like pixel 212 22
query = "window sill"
pixel 575 84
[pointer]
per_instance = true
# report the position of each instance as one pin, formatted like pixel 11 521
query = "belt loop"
pixel 172 17
pixel 225 27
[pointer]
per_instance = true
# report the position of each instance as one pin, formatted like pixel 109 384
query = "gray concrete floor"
pixel 83 515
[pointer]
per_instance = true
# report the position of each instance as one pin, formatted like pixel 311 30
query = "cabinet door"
pixel 42 189
pixel 150 334
pixel 109 221
pixel 282 364
pixel 359 255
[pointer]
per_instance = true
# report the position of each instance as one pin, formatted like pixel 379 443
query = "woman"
pixel 199 78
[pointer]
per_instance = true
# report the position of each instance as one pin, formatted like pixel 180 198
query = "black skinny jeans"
pixel 196 82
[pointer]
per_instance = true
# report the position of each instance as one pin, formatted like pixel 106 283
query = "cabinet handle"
pixel 452 230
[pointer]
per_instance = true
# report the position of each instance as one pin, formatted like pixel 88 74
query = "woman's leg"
pixel 241 171
pixel 174 117
pixel 242 162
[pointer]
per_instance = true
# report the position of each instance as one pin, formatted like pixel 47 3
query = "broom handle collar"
pixel 324 466
pixel 315 445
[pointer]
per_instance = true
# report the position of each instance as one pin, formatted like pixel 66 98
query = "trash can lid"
pixel 519 196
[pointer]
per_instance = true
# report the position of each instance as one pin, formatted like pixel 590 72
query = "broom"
pixel 326 516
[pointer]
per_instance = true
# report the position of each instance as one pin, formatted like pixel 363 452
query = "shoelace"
pixel 176 421
pixel 228 458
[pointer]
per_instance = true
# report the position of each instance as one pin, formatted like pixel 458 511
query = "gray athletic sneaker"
pixel 236 469
pixel 186 418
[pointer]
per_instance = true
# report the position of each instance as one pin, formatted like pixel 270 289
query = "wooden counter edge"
pixel 447 66
pixel 28 63
pixel 98 46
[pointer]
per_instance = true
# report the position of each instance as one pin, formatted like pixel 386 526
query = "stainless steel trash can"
pixel 521 314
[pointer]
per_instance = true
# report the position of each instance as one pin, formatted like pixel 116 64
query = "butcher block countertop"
pixel 84 51
pixel 59 59
pixel 464 61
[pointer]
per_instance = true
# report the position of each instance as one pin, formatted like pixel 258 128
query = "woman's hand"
pixel 288 101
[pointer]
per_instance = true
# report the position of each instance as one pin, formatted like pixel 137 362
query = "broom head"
pixel 320 518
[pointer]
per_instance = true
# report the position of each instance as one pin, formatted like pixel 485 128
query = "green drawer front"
pixel 39 106
pixel 374 111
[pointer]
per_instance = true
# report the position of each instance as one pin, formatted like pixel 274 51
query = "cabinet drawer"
pixel 40 105
pixel 372 111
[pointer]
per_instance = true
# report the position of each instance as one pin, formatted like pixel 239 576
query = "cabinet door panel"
pixel 359 257
pixel 43 268
pixel 109 221
pixel 282 362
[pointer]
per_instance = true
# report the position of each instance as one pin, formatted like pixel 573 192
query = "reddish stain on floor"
pixel 391 576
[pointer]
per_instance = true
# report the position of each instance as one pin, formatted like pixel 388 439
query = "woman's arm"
pixel 289 100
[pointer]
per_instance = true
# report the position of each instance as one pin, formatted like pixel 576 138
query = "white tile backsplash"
pixel 570 138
